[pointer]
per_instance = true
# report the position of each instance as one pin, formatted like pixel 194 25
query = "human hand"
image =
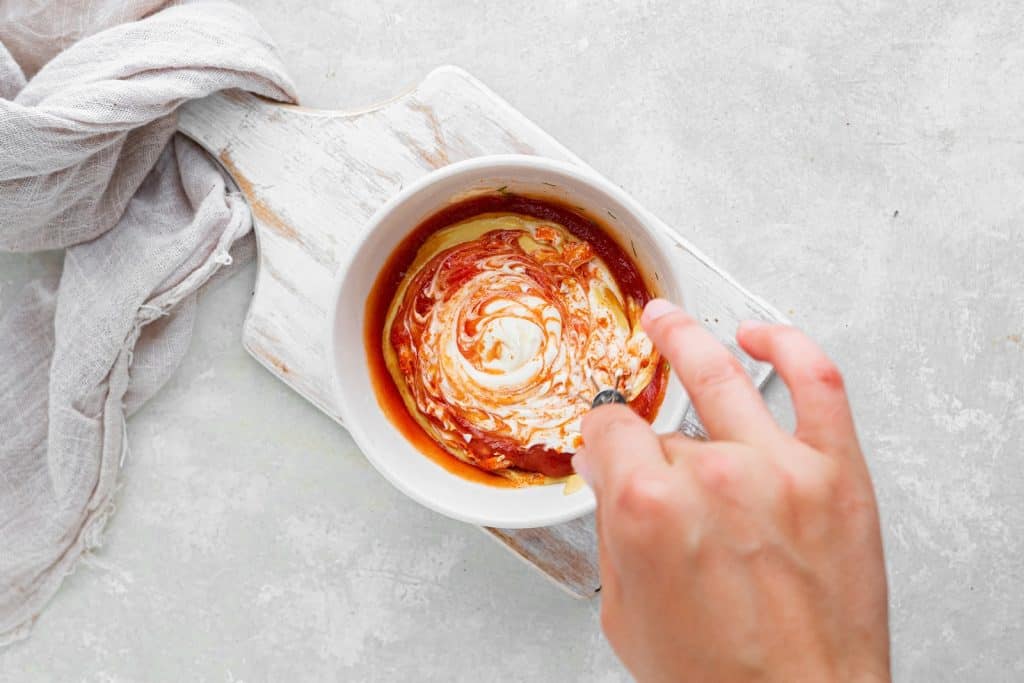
pixel 755 555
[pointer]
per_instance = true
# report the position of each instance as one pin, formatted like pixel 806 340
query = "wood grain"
pixel 313 179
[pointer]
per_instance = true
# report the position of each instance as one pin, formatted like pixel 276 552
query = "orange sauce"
pixel 622 268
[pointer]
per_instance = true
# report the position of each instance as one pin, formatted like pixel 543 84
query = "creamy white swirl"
pixel 498 334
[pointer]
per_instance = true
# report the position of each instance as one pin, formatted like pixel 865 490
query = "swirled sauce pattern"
pixel 498 334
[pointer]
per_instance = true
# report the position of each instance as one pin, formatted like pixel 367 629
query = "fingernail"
pixel 656 308
pixel 752 325
pixel 579 463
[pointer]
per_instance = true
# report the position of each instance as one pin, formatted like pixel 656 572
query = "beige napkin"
pixel 89 161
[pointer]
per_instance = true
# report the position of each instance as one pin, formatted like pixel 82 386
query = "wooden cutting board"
pixel 313 178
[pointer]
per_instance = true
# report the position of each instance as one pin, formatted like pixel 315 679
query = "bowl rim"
pixel 585 502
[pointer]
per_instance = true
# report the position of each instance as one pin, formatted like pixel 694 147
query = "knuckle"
pixel 722 370
pixel 824 372
pixel 825 492
pixel 824 428
pixel 816 485
pixel 818 367
pixel 644 495
pixel 716 471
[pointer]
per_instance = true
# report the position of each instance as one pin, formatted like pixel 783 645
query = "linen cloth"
pixel 90 163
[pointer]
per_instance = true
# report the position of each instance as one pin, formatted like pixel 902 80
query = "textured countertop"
pixel 858 165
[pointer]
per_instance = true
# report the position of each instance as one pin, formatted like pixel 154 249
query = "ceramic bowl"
pixel 400 462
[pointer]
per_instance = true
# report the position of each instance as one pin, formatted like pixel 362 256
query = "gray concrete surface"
pixel 859 164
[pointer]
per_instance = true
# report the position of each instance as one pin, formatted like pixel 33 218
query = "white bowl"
pixel 400 462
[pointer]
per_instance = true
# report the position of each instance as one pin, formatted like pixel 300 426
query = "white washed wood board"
pixel 313 178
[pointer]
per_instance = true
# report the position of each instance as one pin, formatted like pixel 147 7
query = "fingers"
pixel 616 441
pixel 728 403
pixel 822 409
pixel 639 495
pixel 726 473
